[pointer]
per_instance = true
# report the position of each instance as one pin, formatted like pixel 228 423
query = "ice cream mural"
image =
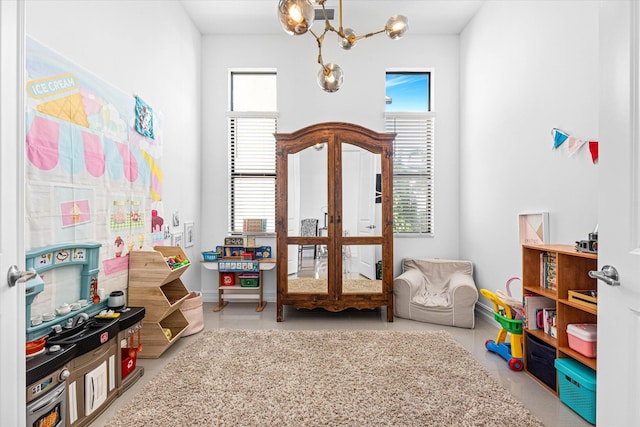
pixel 93 163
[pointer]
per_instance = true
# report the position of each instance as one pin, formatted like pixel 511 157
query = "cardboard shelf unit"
pixel 157 287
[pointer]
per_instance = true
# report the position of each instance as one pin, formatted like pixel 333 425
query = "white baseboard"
pixel 485 311
pixel 212 296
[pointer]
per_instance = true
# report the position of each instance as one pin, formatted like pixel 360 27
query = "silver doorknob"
pixel 14 275
pixel 608 275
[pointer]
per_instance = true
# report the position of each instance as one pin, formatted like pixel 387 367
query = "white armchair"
pixel 436 291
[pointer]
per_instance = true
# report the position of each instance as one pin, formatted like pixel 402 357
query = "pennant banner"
pixel 558 137
pixel 574 144
pixel 593 148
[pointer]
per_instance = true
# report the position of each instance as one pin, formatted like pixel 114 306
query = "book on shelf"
pixel 532 304
pixel 548 271
pixel 550 326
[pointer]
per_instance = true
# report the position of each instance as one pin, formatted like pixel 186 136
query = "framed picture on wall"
pixel 189 236
pixel 533 228
pixel 176 239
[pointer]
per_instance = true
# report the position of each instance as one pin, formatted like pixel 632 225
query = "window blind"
pixel 412 171
pixel 252 169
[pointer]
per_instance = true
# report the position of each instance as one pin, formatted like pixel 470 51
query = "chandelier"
pixel 296 17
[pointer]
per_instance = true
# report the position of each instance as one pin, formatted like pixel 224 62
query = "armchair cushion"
pixel 436 291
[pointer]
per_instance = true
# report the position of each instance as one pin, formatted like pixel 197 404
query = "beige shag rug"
pixel 323 378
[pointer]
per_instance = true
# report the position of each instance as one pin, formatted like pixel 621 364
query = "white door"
pixel 618 376
pixel 366 213
pixel 12 303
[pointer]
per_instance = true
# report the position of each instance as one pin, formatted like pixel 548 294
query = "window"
pixel 252 149
pixel 408 113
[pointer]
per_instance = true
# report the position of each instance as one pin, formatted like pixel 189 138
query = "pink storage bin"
pixel 583 338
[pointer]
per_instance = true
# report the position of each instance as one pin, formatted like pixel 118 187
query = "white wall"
pixel 526 67
pixel 517 70
pixel 301 103
pixel 148 48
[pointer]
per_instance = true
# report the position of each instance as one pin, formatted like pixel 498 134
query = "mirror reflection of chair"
pixel 308 228
pixel 346 257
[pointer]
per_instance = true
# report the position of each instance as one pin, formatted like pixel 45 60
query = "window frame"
pixel 430 118
pixel 431 96
pixel 231 161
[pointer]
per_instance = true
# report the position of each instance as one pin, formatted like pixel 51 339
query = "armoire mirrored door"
pixel 334 218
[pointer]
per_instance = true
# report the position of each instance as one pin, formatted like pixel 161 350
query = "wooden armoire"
pixel 340 174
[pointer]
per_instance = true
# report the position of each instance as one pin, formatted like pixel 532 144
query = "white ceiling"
pixel 364 16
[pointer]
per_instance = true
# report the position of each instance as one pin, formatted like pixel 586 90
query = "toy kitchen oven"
pixel 72 355
pixel 47 370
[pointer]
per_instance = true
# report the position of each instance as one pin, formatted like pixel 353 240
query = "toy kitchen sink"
pixel 88 335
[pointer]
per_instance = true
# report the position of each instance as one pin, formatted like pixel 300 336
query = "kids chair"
pixel 437 291
pixel 512 351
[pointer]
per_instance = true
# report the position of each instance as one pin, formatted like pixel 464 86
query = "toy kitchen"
pixel 81 344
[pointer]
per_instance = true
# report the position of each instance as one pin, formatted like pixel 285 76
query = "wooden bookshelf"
pixel 572 270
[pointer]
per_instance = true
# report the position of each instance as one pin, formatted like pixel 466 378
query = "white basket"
pixel 191 309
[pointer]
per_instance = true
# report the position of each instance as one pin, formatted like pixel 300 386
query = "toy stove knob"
pixel 64 374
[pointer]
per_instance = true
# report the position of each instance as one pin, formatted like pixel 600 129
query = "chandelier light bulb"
pixel 396 26
pixel 349 39
pixel 296 16
pixel 330 77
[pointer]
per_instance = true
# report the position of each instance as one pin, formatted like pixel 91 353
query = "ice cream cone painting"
pixel 75 212
pixel 69 108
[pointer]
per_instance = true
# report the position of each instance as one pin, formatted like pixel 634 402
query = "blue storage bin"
pixel 540 358
pixel 577 387
pixel 210 256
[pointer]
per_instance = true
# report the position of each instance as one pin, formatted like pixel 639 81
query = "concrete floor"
pixel 240 315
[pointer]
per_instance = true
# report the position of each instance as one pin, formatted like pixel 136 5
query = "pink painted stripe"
pixel 42 143
pixel 129 163
pixel 94 157
pixel 115 265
